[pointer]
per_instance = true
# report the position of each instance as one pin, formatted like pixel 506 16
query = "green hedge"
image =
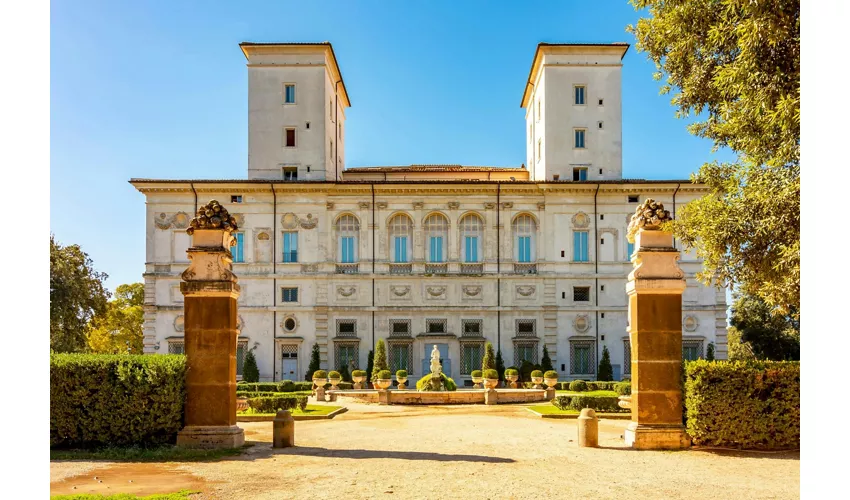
pixel 607 404
pixel 115 400
pixel 284 386
pixel 590 386
pixel 424 383
pixel 265 394
pixel 748 404
pixel 271 404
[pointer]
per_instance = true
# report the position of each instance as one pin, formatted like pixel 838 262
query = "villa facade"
pixel 425 255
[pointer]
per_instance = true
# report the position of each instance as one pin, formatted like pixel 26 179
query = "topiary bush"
pixel 546 361
pixel 607 404
pixel 380 362
pixel 384 375
pixel 478 374
pixel 578 386
pixel 550 374
pixel 401 374
pixel 592 386
pixel 315 362
pixel 491 374
pixel 271 404
pixel 320 374
pixel 424 383
pixel 250 372
pixel 333 374
pixel 358 373
pixel 489 360
pixel 500 365
pixel 748 404
pixel 115 400
pixel 606 371
pixel 511 371
pixel 623 388
pixel 536 374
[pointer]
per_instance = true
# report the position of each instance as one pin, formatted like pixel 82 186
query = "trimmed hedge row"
pixel 752 404
pixel 265 394
pixel 607 404
pixel 115 400
pixel 590 386
pixel 271 404
pixel 285 386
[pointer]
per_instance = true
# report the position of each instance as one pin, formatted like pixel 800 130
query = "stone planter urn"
pixel 334 383
pixel 320 382
pixel 401 382
pixel 537 381
pixel 491 383
pixel 241 403
pixel 513 379
pixel 552 383
pixel 358 382
pixel 383 384
pixel 624 402
pixel 477 381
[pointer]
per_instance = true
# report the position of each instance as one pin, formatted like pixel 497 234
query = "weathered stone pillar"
pixel 655 288
pixel 210 316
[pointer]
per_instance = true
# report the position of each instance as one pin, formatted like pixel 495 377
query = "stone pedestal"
pixel 283 430
pixel 210 291
pixel 550 394
pixel 320 393
pixel 383 397
pixel 655 288
pixel 491 397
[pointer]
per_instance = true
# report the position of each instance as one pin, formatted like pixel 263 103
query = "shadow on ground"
pixel 264 450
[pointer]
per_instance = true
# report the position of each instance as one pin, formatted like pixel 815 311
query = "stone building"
pixel 425 255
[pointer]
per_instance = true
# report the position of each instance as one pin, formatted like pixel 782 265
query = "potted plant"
pixel 477 377
pixel 334 378
pixel 401 376
pixel 320 378
pixel 491 378
pixel 384 380
pixel 512 374
pixel 537 378
pixel 358 376
pixel 551 378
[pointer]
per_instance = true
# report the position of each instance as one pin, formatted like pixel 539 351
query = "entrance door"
pixel 290 369
pixel 444 359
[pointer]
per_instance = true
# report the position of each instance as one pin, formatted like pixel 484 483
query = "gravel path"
pixel 468 452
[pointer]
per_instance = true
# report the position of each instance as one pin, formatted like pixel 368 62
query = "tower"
pixel 573 103
pixel 296 111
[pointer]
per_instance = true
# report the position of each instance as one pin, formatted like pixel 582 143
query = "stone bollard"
pixel 320 394
pixel 283 430
pixel 588 429
pixel 383 397
pixel 491 397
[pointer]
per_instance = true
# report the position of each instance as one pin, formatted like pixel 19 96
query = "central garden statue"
pixel 436 371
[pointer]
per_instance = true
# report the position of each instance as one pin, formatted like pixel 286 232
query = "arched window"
pixel 347 231
pixel 436 230
pixel 400 228
pixel 525 233
pixel 471 234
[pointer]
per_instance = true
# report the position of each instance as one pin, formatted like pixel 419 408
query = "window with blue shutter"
pixel 524 243
pixel 347 244
pixel 579 95
pixel 400 245
pixel 238 250
pixel 290 94
pixel 436 249
pixel 290 247
pixel 580 253
pixel 471 248
pixel 579 143
pixel 630 249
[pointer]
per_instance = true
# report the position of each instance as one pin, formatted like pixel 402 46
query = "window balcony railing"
pixel 401 268
pixel 471 268
pixel 347 268
pixel 525 268
pixel 436 268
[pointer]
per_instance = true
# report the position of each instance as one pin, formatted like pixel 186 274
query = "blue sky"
pixel 159 89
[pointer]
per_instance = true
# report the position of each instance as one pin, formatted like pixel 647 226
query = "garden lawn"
pixel 310 410
pixel 587 393
pixel 551 409
pixel 180 495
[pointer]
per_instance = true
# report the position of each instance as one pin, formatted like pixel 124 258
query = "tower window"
pixel 600 102
pixel 579 174
pixel 599 125
pixel 289 137
pixel 290 173
pixel 633 198
pixel 579 90
pixel 236 198
pixel 289 93
pixel 307 125
pixel 579 138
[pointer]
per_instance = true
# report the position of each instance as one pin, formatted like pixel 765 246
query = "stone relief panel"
pixel 581 220
pixel 581 323
pixel 690 323
pixel 309 268
pixel 180 220
pixel 435 292
pixel 525 292
pixel 472 293
pixel 400 292
pixel 262 245
pixel 309 223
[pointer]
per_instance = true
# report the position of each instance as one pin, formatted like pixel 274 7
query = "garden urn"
pixel 491 383
pixel 334 383
pixel 383 384
pixel 513 379
pixel 358 382
pixel 537 381
pixel 477 381
pixel 552 383
pixel 401 382
pixel 320 382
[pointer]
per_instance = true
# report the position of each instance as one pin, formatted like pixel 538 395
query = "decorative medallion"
pixel 381 204
pixel 471 290
pixel 418 205
pixel 581 323
pixel 508 204
pixel 309 222
pixel 181 220
pixel 400 291
pixel 289 221
pixel 525 290
pixel 263 236
pixel 453 205
pixel 690 323
pixel 364 205
pixel 162 221
pixel 178 323
pixel 289 323
pixel 581 220
pixel 330 205
pixel 489 206
pixel 649 215
pixel 435 291
pixel 213 216
pixel 346 291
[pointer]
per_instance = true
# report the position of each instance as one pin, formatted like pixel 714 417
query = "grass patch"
pixel 163 453
pixel 552 410
pixel 587 393
pixel 180 495
pixel 310 410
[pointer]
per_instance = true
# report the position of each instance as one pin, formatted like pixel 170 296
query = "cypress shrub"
pixel 606 371
pixel 370 365
pixel 747 404
pixel 500 365
pixel 343 374
pixel 250 372
pixel 489 361
pixel 115 400
pixel 315 362
pixel 379 363
pixel 546 361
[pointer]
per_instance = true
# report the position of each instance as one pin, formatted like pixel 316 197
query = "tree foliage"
pixel 737 64
pixel 500 365
pixel 250 371
pixel 489 360
pixel 768 336
pixel 315 362
pixel 119 329
pixel 546 361
pixel 77 294
pixel 379 363
pixel 606 371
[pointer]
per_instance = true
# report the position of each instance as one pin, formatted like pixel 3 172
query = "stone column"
pixel 655 288
pixel 210 316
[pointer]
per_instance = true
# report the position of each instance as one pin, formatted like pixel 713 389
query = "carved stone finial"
pixel 649 216
pixel 213 215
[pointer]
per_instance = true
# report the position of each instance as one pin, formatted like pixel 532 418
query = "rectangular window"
pixel 472 356
pixel 579 94
pixel 580 246
pixel 399 357
pixel 581 294
pixel 436 249
pixel 236 198
pixel 346 328
pixel 347 247
pixel 290 294
pixel 471 248
pixel 525 351
pixel 579 174
pixel 176 348
pixel 579 136
pixel 238 250
pixel 524 244
pixel 435 325
pixel 627 357
pixel 346 355
pixel 581 355
pixel 290 173
pixel 290 246
pixel 400 328
pixel 633 198
pixel 472 327
pixel 241 349
pixel 600 102
pixel 526 328
pixel 400 249
pixel 289 93
pixel 630 249
pixel 290 137
pixel 691 350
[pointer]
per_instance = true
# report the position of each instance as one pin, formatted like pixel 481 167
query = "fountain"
pixel 436 371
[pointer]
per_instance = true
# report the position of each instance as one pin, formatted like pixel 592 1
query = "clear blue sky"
pixel 159 89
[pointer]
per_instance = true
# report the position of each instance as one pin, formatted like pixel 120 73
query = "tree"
pixel 766 334
pixel 250 372
pixel 119 329
pixel 546 362
pixel 736 349
pixel 738 63
pixel 500 365
pixel 709 354
pixel 344 374
pixel 379 363
pixel 489 360
pixel 76 296
pixel 315 362
pixel 606 371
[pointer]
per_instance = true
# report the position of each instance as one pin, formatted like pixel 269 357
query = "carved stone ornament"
pixel 289 221
pixel 525 290
pixel 381 205
pixel 489 206
pixel 581 323
pixel 330 205
pixel 649 215
pixel 690 323
pixel 454 205
pixel 581 220
pixel 418 205
pixel 364 205
pixel 400 291
pixel 162 221
pixel 291 320
pixel 346 291
pixel 213 216
pixel 309 268
pixel 181 220
pixel 263 236
pixel 662 265
pixel 471 290
pixel 211 266
pixel 178 323
pixel 309 222
pixel 435 291
pixel 508 204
